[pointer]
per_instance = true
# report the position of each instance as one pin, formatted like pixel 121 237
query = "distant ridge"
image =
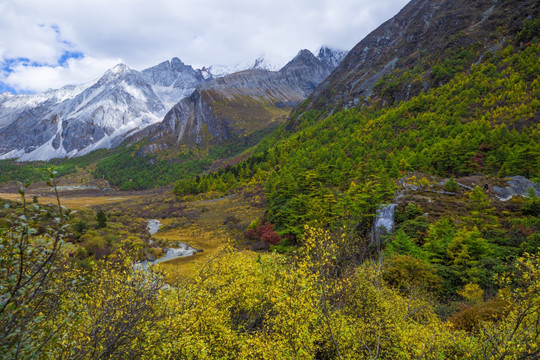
pixel 76 120
pixel 240 103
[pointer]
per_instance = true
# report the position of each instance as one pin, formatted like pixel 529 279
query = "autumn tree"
pixel 31 264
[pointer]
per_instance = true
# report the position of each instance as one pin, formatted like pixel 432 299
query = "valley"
pixel 72 202
pixel 204 224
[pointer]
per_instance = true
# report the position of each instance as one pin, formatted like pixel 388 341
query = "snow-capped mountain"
pixel 329 56
pixel 76 120
pixel 221 70
pixel 173 80
pixel 239 103
pixel 262 63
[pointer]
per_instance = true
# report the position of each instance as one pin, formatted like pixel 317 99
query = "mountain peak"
pixel 263 63
pixel 258 62
pixel 116 72
pixel 304 59
pixel 176 62
pixel 304 53
pixel 325 50
pixel 119 69
pixel 331 56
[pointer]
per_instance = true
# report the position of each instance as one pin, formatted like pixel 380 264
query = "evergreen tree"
pixel 101 219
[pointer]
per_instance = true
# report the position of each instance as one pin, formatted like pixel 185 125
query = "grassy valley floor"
pixel 207 225
pixel 204 224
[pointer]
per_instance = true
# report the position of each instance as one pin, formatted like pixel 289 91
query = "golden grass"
pixel 72 202
pixel 206 232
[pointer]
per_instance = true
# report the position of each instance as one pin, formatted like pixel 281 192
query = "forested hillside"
pixel 485 120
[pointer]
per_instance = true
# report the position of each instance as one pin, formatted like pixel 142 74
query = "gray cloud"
pixel 142 33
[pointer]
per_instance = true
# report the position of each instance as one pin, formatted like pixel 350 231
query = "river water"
pixel 153 226
pixel 172 253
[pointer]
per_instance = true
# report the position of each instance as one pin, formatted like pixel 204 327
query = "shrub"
pixel 93 244
pixel 532 204
pixel 408 273
pixel 470 317
pixel 410 212
pixel 101 219
pixel 264 234
pixel 424 182
pixel 416 229
pixel 451 185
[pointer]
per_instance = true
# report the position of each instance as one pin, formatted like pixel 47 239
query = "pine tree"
pixel 101 219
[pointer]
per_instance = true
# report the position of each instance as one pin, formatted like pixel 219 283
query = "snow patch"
pixel 170 95
pixel 12 154
pixel 44 152
pixel 133 91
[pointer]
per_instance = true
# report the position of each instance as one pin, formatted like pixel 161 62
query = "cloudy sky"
pixel 50 43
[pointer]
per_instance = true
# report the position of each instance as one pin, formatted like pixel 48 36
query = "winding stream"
pixel 153 226
pixel 172 253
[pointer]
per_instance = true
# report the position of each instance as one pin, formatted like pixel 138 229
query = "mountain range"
pixel 240 103
pixel 399 201
pixel 76 120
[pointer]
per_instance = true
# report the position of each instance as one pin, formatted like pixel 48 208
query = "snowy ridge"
pixel 11 105
pixel 220 70
pixel 75 120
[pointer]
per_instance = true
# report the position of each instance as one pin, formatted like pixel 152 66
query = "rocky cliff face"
pixel 241 102
pixel 76 120
pixel 173 80
pixel 422 33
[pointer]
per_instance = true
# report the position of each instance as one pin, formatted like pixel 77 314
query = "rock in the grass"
pixel 517 185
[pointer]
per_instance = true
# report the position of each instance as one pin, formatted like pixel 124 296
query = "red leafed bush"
pixel 268 235
pixel 264 233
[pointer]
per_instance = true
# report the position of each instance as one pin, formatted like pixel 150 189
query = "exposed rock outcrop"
pixel 242 102
pixel 384 221
pixel 517 185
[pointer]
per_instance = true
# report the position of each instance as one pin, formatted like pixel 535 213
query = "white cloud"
pixel 23 37
pixel 202 32
pixel 41 78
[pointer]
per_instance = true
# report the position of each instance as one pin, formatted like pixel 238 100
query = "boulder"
pixel 517 185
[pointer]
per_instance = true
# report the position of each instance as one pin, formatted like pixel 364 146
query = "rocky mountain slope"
pixel 242 102
pixel 76 120
pixel 417 41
